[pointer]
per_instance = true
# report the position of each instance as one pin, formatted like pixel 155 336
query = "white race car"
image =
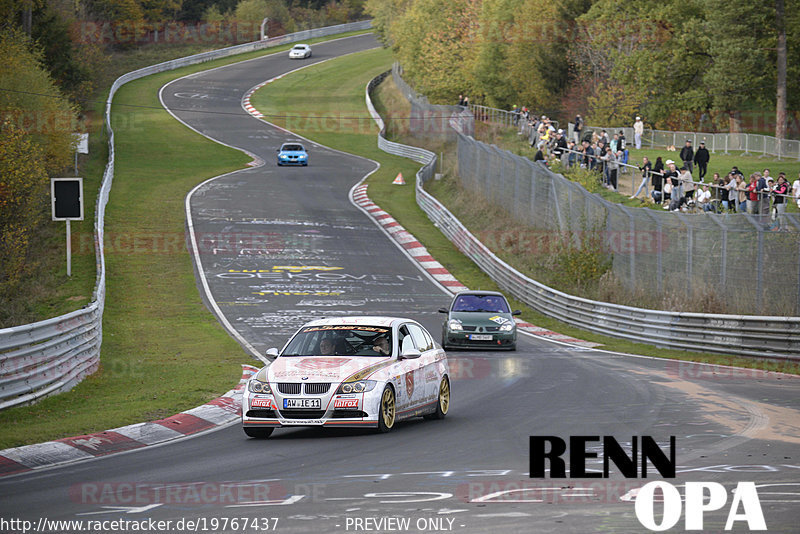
pixel 349 371
pixel 300 51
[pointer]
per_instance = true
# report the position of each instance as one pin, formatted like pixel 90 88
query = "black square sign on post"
pixel 67 199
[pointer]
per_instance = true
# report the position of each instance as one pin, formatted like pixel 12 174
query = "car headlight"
pixel 454 324
pixel 257 386
pixel 359 386
pixel 507 327
pixel 283 156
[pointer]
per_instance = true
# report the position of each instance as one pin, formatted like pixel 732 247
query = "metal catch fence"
pixel 654 250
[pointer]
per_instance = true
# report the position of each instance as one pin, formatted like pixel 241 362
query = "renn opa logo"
pixel 700 497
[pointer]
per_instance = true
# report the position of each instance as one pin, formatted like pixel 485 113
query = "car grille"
pixel 269 414
pixel 289 388
pixel 481 329
pixel 302 414
pixel 318 389
pixel 468 328
pixel 491 328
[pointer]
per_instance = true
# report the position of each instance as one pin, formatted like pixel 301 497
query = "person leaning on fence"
pixel 611 165
pixel 539 156
pixel 657 181
pixel 687 183
pixel 741 188
pixel 781 193
pixel 729 193
pixel 703 199
pixel 638 131
pixel 561 143
pixel 702 157
pixel 763 197
pixel 796 190
pixel 569 157
pixel 672 172
pixel 687 155
pixel 667 192
pixel 717 188
pixel 645 168
pixel 752 194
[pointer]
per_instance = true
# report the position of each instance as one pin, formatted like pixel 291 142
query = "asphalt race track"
pixel 279 246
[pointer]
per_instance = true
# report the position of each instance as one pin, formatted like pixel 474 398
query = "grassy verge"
pixel 49 292
pixel 348 77
pixel 163 352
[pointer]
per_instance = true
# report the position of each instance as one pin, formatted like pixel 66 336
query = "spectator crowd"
pixel 668 183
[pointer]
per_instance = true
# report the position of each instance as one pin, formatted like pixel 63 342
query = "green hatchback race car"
pixel 479 319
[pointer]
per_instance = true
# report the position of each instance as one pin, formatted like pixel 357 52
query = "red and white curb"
pixel 407 241
pixel 220 411
pixel 435 269
pixel 248 107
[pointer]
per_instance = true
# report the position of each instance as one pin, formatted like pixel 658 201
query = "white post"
pixel 69 249
pixel 263 28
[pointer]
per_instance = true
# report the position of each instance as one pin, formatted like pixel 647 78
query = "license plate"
pixel 302 403
pixel 480 337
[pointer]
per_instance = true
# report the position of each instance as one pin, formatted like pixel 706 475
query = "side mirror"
pixel 409 354
pixel 443 310
pixel 516 312
pixel 272 353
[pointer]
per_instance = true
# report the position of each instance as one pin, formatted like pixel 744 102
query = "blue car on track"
pixel 292 154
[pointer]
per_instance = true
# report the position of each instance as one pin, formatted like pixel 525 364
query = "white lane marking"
pixel 257 162
pixel 123 509
pixel 504 514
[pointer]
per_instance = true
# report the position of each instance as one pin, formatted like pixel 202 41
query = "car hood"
pixel 482 318
pixel 324 368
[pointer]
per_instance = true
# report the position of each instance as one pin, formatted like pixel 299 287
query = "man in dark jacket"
pixel 687 156
pixel 702 157
pixel 561 143
pixel 578 129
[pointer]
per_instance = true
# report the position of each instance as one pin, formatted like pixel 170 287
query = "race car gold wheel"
pixel 443 404
pixel 387 410
pixel 259 432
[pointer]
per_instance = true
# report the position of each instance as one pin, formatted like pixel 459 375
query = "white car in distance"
pixel 300 51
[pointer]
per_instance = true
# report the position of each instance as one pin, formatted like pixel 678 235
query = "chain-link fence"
pixel 723 143
pixel 433 122
pixel 750 262
pixel 745 260
pixel 747 335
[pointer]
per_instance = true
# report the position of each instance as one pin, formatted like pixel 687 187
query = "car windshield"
pixel 292 148
pixel 341 340
pixel 480 303
pixel 300 47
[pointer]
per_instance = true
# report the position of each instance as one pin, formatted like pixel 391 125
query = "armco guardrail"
pixel 761 337
pixel 51 356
